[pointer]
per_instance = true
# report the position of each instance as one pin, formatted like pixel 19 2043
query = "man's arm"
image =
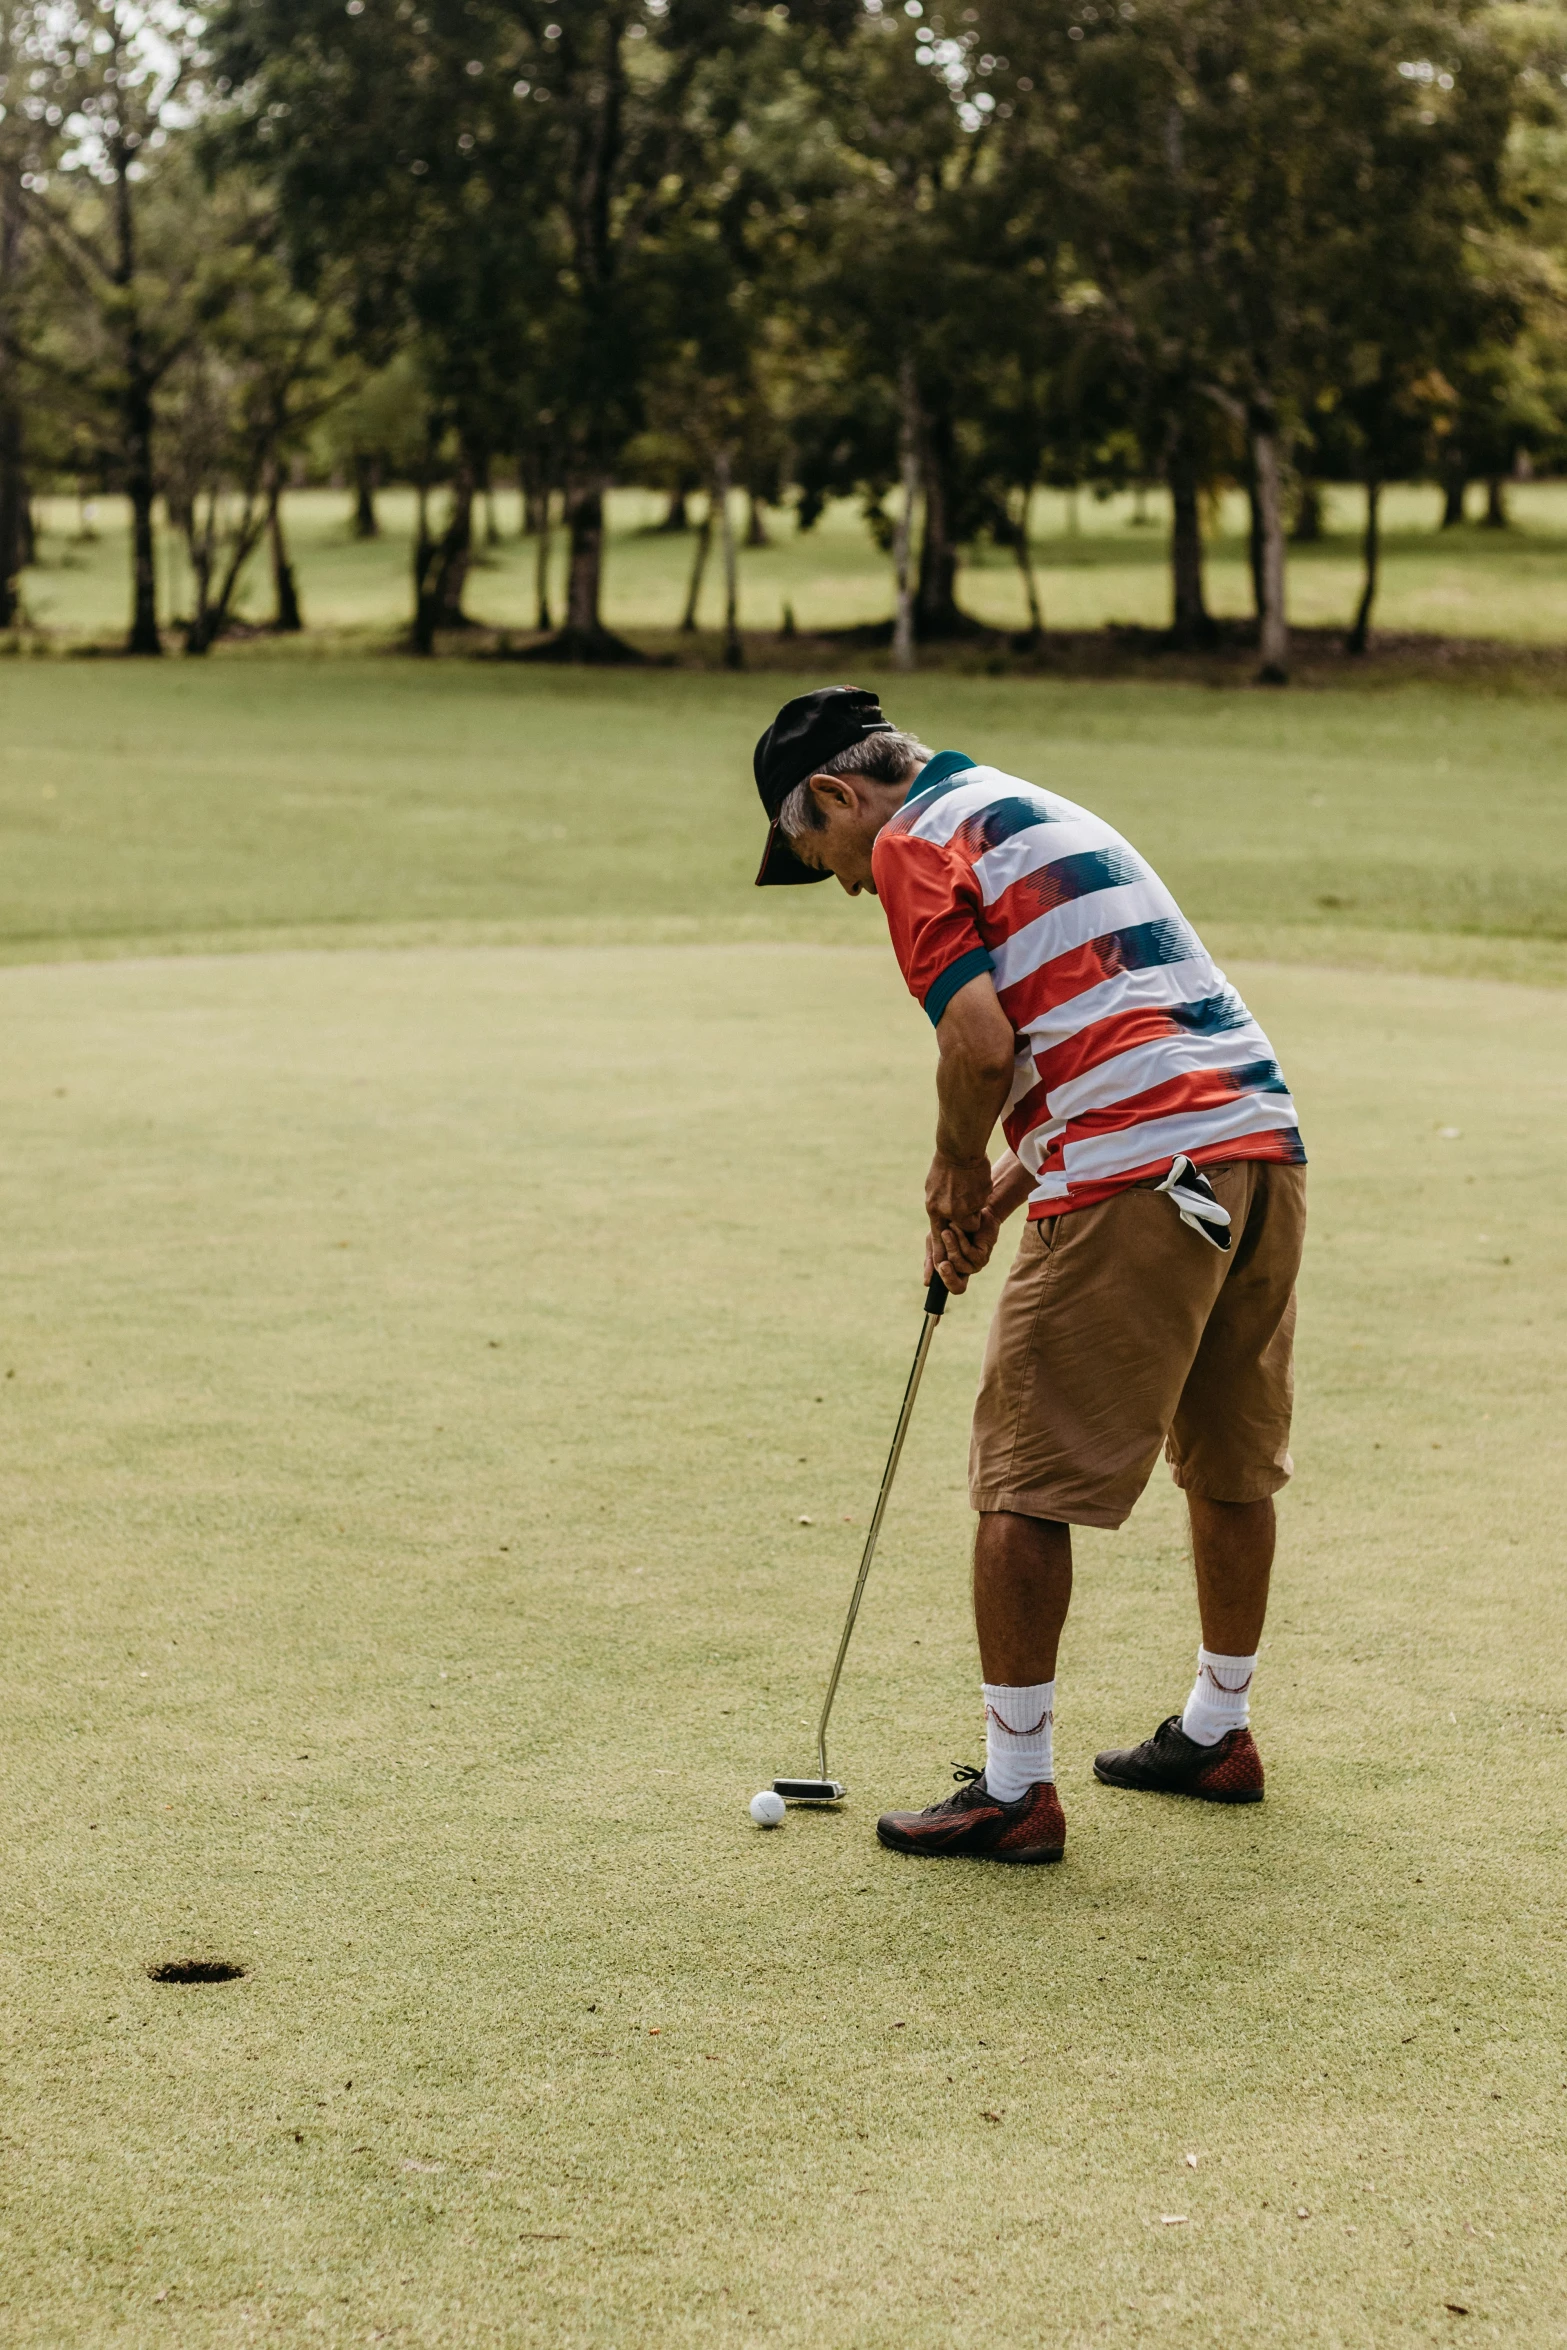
pixel 973 1079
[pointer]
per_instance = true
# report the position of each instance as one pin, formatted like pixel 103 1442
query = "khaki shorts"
pixel 1120 1330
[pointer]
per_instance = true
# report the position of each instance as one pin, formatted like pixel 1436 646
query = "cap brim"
pixel 781 868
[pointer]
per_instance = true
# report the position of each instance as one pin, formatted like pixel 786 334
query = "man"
pixel 1152 1303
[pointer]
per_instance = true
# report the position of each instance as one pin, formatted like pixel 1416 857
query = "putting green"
pixel 423 1362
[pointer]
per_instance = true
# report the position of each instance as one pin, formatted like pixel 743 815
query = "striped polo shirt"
pixel 1132 1046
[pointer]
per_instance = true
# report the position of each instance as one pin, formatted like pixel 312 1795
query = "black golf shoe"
pixel 1170 1763
pixel 974 1825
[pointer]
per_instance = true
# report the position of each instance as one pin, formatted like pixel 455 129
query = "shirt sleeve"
pixel 928 897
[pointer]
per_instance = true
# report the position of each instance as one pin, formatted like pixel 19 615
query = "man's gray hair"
pixel 887 757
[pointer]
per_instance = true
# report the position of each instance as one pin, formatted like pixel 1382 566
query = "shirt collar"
pixel 938 770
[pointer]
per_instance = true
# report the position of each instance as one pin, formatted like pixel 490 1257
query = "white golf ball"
pixel 767 1809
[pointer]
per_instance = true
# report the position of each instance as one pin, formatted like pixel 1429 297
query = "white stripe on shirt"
pixel 980 789
pixel 1188 982
pixel 1080 921
pixel 1158 1062
pixel 1100 1155
pixel 1041 844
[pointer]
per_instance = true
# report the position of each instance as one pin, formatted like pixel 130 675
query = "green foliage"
pixel 822 248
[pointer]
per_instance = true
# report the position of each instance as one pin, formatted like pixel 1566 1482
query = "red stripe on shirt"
pixel 1051 984
pixel 1280 1144
pixel 1193 1089
pixel 1118 1032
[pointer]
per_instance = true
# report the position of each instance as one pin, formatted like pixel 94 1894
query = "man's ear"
pixel 835 791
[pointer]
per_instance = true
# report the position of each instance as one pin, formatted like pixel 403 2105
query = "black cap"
pixel 806 733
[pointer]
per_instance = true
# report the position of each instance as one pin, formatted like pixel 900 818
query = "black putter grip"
pixel 936 1295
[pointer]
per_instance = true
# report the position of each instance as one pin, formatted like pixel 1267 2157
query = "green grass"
pixel 418 1361
pixel 245 803
pixel 1471 582
pixel 422 1362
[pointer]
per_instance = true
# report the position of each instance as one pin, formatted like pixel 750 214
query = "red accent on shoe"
pixel 973 1825
pixel 1042 1828
pixel 1236 1768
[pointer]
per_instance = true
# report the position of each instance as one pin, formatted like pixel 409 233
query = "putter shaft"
pixel 935 1303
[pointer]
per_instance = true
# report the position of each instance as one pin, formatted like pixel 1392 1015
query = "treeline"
pixel 929 255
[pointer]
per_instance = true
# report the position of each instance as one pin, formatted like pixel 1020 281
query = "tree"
pixel 265 369
pixel 508 182
pixel 118 224
pixel 30 139
pixel 922 263
pixel 1224 166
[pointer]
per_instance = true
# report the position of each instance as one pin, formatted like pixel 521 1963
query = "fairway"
pixel 423 1362
pixel 242 804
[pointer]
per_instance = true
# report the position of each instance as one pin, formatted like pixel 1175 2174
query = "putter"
pixel 825 1789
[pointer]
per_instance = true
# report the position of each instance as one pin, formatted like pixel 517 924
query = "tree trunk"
pixel 539 523
pixel 734 654
pixel 1190 625
pixel 136 418
pixel 584 636
pixel 200 541
pixel 756 523
pixel 585 577
pixel 909 475
pixel 534 483
pixel 1273 641
pixel 1360 634
pixel 1496 516
pixel 214 605
pixel 141 487
pixel 14 503
pixel 937 614
pixel 1025 564
pixel 13 506
pixel 457 549
pixel 704 540
pixel 676 519
pixel 425 553
pixel 1254 547
pixel 1455 483
pixel 1308 515
pixel 367 480
pixel 441 565
pixel 287 618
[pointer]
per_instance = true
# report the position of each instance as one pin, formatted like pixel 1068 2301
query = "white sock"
pixel 1018 1726
pixel 1220 1698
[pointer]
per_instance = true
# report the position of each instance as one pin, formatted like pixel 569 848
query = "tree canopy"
pixel 925 256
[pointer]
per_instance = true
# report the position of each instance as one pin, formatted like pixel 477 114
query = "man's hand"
pixel 958 1255
pixel 957 1191
pixel 962 1229
pixel 962 1246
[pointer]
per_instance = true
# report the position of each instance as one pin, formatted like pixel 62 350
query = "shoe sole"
pixel 1039 1858
pixel 1192 1794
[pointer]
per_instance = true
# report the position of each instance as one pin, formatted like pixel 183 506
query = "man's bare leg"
pixel 1010 1811
pixel 1232 1552
pixel 1022 1589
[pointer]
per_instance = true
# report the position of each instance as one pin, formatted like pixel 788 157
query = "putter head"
pixel 810 1790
